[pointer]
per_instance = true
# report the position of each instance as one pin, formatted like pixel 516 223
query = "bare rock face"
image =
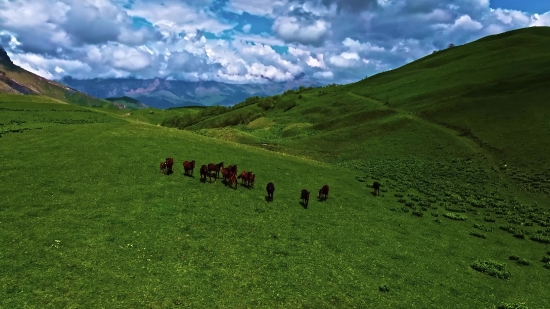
pixel 4 58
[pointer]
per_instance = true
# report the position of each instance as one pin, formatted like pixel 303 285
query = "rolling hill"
pixel 486 100
pixel 16 80
pixel 88 220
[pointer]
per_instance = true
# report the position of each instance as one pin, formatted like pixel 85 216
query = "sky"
pixel 246 41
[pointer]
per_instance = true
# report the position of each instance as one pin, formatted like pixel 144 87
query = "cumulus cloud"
pixel 241 40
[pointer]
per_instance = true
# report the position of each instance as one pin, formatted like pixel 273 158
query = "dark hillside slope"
pixel 494 90
pixel 16 80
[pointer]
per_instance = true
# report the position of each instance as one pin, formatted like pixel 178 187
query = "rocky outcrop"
pixel 4 58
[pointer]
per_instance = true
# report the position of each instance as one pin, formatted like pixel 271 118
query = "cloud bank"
pixel 241 41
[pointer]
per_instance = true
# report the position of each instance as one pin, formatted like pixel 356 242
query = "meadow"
pixel 87 220
pixel 457 139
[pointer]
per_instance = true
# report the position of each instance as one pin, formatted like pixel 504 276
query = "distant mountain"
pixel 16 80
pixel 163 93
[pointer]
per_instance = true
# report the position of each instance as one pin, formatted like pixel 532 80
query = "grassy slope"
pixel 88 220
pixel 157 116
pixel 52 89
pixel 496 87
pixel 484 100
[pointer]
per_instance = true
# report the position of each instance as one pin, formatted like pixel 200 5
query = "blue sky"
pixel 239 41
pixel 531 6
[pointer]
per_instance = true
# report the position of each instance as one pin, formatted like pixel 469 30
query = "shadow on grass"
pixel 268 199
pixel 303 204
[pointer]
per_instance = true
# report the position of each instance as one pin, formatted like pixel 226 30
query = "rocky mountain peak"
pixel 4 58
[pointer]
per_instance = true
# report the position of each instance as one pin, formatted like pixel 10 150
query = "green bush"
pixel 512 306
pixel 384 288
pixel 523 262
pixel 541 238
pixel 454 216
pixel 418 213
pixel 492 268
pixel 513 257
pixel 478 235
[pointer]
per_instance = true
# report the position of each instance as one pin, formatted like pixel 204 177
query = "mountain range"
pixel 165 93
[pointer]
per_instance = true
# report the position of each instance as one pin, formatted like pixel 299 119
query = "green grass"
pixel 87 220
pixel 485 101
pixel 154 115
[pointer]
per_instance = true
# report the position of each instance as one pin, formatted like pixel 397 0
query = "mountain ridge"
pixel 16 80
pixel 166 93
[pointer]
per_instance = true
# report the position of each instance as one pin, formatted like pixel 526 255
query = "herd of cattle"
pixel 230 177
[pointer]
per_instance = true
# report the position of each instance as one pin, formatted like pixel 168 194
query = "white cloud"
pixel 338 40
pixel 291 30
pixel 540 20
pixel 177 16
pixel 256 7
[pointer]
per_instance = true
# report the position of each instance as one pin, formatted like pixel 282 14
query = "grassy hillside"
pixel 16 80
pixel 88 220
pixel 484 101
pixel 494 90
pixel 156 116
pixel 125 102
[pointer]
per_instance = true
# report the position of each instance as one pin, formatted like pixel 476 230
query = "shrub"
pixel 482 227
pixel 401 200
pixel 454 216
pixel 546 265
pixel 513 257
pixel 541 238
pixel 489 219
pixel 513 306
pixel 266 104
pixel 492 268
pixel 478 235
pixel 523 262
pixel 418 213
pixel 384 288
